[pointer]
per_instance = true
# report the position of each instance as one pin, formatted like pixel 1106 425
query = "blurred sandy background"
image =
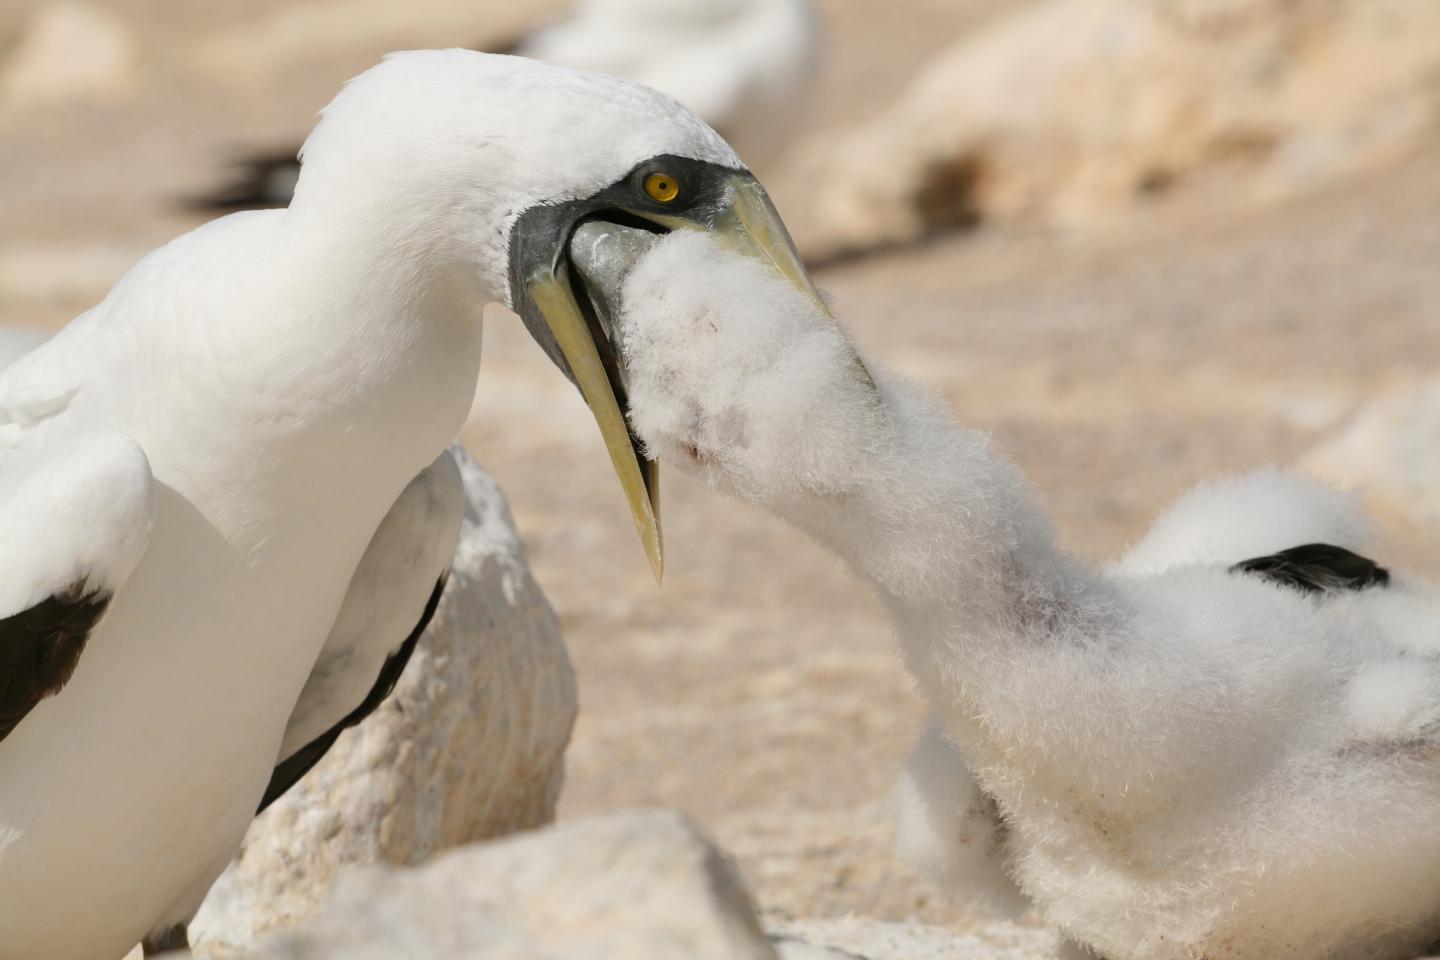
pixel 758 690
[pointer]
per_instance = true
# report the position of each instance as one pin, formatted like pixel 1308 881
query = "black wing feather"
pixel 295 766
pixel 1317 568
pixel 40 647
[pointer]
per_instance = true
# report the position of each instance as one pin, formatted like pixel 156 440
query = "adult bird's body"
pixel 191 472
pixel 280 421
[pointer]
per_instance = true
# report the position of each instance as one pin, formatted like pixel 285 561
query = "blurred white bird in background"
pixel 748 68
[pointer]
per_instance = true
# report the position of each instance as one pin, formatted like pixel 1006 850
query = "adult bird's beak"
pixel 577 305
pixel 596 374
pixel 749 224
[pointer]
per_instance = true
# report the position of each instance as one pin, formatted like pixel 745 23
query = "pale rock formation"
pixel 1390 451
pixel 1072 112
pixel 70 51
pixel 619 887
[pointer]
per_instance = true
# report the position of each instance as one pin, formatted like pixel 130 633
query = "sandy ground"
pixel 759 689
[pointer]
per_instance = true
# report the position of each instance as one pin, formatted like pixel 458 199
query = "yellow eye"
pixel 661 187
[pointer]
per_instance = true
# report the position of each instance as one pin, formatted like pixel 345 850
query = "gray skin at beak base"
pixel 604 253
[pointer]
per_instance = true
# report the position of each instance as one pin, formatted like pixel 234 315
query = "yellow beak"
pixel 639 476
pixel 750 225
pixel 747 223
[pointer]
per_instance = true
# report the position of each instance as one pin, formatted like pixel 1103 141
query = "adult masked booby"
pixel 192 472
pixel 1227 744
pixel 747 67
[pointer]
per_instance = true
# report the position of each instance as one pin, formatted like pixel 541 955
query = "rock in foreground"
pixel 469 746
pixel 623 887
pixel 856 938
pixel 631 886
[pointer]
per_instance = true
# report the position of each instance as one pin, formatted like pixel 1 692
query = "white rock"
pixel 70 51
pixel 856 938
pixel 469 746
pixel 1389 450
pixel 633 886
pixel 1072 112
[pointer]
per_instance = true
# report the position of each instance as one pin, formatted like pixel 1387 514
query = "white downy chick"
pixel 1178 757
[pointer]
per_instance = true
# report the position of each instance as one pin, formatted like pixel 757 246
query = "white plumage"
pixel 1233 518
pixel 748 68
pixel 410 551
pixel 1169 759
pixel 254 397
pixel 103 480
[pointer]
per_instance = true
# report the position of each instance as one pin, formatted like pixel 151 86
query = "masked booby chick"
pixel 192 472
pixel 1195 753
pixel 747 67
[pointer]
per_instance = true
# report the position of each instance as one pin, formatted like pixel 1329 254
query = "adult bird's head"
pixel 488 165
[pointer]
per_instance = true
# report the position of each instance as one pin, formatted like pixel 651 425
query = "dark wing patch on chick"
pixel 1317 568
pixel 295 766
pixel 40 647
